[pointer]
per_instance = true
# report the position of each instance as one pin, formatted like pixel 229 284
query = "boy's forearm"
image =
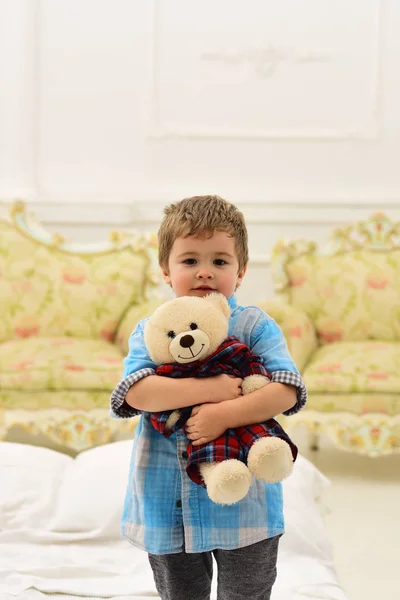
pixel 261 405
pixel 155 393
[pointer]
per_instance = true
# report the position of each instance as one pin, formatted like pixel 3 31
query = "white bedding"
pixel 59 530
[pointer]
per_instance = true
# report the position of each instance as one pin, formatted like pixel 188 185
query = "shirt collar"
pixel 232 302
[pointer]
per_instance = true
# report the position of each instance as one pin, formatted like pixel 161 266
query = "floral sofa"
pixel 66 316
pixel 340 312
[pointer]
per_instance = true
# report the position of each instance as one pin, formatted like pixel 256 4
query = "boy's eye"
pixel 171 334
pixel 190 261
pixel 220 262
pixel 193 326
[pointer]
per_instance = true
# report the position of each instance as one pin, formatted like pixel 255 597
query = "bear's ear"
pixel 220 302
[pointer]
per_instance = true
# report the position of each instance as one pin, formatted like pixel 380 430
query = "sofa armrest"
pixel 133 315
pixel 297 328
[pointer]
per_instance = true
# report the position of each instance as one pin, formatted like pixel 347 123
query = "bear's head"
pixel 186 329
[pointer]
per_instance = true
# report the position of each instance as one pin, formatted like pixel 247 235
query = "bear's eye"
pixel 171 334
pixel 193 326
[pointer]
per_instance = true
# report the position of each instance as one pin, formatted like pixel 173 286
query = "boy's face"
pixel 199 265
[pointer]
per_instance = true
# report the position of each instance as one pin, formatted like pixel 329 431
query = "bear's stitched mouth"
pixel 193 355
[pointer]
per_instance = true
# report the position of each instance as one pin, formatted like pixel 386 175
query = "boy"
pixel 203 249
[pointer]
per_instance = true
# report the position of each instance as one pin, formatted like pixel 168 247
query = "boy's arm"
pixel 286 393
pixel 261 405
pixel 269 343
pixel 142 390
pixel 157 393
pixel 266 405
pixel 137 366
pixel 209 421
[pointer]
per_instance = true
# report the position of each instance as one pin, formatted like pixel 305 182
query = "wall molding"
pixel 160 130
pixel 103 218
pixel 147 213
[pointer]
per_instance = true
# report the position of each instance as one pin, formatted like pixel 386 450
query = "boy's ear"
pixel 241 274
pixel 166 276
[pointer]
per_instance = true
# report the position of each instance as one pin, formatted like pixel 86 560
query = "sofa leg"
pixel 314 440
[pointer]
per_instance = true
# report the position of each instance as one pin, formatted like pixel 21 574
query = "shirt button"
pixel 179 504
pixel 185 455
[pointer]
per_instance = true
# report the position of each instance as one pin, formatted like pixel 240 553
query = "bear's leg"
pixel 172 420
pixel 227 482
pixel 270 459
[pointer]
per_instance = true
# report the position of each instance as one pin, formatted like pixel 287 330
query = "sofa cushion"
pixel 355 367
pixel 349 297
pixel 39 400
pixel 354 403
pixel 49 291
pixel 60 363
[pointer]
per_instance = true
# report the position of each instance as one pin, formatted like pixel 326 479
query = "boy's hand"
pixel 206 423
pixel 224 387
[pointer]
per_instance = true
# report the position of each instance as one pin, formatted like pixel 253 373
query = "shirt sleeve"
pixel 268 342
pixel 253 365
pixel 137 364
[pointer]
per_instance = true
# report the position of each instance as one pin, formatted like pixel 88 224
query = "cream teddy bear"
pixel 187 337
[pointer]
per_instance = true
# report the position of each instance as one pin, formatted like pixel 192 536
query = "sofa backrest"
pixel 351 291
pixel 50 288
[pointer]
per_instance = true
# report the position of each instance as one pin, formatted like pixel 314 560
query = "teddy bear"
pixel 188 337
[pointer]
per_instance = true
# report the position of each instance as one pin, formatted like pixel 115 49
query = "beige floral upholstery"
pixel 297 329
pixel 340 311
pixel 66 316
pixel 134 314
pixel 59 363
pixel 357 367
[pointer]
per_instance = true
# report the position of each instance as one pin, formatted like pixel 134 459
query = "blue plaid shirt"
pixel 164 511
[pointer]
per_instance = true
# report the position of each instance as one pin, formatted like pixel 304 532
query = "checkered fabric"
pixel 234 443
pixel 232 357
pixel 119 407
pixel 164 511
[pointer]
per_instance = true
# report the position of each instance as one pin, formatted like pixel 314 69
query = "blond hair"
pixel 200 215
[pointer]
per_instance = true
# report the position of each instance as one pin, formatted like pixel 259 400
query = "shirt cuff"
pixel 118 407
pixel 290 378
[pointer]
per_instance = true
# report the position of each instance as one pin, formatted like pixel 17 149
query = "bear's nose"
pixel 186 341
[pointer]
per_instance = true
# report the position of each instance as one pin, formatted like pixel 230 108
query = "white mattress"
pixel 59 530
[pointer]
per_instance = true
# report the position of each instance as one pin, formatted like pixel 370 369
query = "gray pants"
pixel 243 574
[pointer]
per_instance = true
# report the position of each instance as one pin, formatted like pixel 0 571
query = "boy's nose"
pixel 204 274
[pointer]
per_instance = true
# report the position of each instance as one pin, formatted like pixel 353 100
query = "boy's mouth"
pixel 204 288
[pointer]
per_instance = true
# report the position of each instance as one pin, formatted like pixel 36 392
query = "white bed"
pixel 59 530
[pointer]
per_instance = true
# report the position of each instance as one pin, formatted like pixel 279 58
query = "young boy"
pixel 203 249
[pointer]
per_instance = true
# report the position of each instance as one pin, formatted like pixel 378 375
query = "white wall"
pixel 111 108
